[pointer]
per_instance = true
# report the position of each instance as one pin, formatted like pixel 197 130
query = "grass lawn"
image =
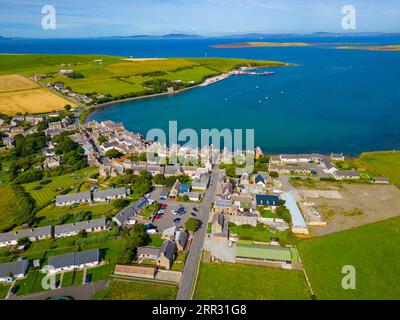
pixel 50 214
pixel 148 211
pixel 125 290
pixel 386 164
pixel 372 249
pixel 3 291
pixel 72 278
pixel 9 207
pixel 260 233
pixel 226 281
pixel 49 191
pixel 154 241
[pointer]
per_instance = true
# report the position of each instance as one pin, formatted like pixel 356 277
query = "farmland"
pixel 124 290
pixel 373 251
pixel 224 281
pixel 115 77
pixel 31 101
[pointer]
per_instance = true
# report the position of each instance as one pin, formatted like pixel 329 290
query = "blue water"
pixel 334 101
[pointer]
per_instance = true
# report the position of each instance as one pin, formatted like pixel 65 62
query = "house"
pixel 36 234
pixel 193 196
pixel 174 192
pixel 337 157
pixel 73 198
pixel 167 254
pixel 223 206
pixel 184 188
pixel 168 234
pixel 174 170
pixel 124 217
pixel 346 175
pixel 150 253
pixel 201 180
pixel 266 200
pixel 52 162
pixel 225 189
pixel 181 239
pixel 327 165
pixel 107 195
pixel 72 229
pixel 8 141
pixel 261 179
pixel 219 226
pixel 380 180
pixel 189 170
pixel 74 261
pixel 271 254
pixel 13 270
pixel 136 270
pixel 154 170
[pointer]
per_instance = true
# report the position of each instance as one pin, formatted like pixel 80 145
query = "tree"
pixel 83 216
pixel 63 218
pixel 113 153
pixel 274 174
pixel 24 242
pixel 193 224
pixel 159 179
pixel 120 203
pixel 102 139
pixel 67 107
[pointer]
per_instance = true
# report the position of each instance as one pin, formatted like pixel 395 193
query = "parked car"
pixel 157 216
pixel 193 214
pixel 195 209
pixel 177 220
pixel 164 206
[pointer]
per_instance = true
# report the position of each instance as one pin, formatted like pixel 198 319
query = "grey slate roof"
pixel 125 214
pixel 168 248
pixel 73 197
pixel 104 194
pixel 16 267
pixel 181 237
pixel 74 258
pixel 36 232
pixel 152 251
pixel 82 225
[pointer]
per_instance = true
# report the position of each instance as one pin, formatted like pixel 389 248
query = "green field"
pixel 72 278
pixel 372 249
pixel 124 290
pixel 49 215
pixel 49 191
pixel 9 207
pixel 225 281
pixel 118 75
pixel 385 164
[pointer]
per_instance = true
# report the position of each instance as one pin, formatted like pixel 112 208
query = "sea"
pixel 333 101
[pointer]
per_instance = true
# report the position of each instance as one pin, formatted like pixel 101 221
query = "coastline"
pixel 223 76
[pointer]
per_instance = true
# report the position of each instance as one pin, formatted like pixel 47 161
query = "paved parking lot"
pixel 167 218
pixel 221 250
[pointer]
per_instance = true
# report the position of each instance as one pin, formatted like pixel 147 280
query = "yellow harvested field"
pixel 31 101
pixel 14 82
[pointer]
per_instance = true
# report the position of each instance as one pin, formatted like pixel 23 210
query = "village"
pixel 188 213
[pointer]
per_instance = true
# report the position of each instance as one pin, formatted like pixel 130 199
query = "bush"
pixel 120 203
pixel 193 224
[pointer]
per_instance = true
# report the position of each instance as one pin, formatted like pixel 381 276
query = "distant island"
pixel 261 44
pixel 371 48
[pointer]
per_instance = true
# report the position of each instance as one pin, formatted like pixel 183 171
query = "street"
pixel 193 259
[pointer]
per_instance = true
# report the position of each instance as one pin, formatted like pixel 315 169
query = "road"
pixel 193 259
pixel 83 292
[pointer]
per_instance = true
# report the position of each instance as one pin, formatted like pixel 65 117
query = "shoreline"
pixel 204 83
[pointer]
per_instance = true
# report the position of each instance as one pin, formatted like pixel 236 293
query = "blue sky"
pixel 82 18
